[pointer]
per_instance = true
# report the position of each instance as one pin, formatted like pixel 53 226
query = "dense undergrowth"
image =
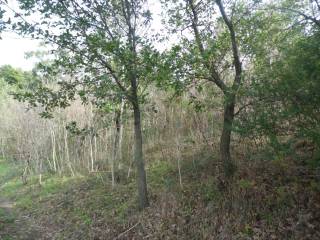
pixel 263 201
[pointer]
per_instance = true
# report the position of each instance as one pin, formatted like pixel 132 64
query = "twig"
pixel 128 230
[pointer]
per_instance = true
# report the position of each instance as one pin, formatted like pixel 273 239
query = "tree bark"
pixel 225 140
pixel 115 145
pixel 117 136
pixel 122 109
pixel 230 97
pixel 138 154
pixel 138 159
pixel 53 150
pixel 91 154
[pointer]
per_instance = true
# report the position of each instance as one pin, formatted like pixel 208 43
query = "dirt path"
pixel 15 226
pixel 6 204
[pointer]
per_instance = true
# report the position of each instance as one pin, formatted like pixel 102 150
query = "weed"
pixel 245 184
pixel 85 218
pixel 7 237
pixel 161 174
pixel 247 230
pixel 5 218
pixel 209 192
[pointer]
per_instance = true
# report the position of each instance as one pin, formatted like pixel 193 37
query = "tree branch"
pixel 214 74
pixel 235 50
pixel 305 16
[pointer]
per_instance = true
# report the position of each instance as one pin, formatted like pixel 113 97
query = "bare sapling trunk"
pixel 120 133
pixel 113 159
pixel 40 170
pixel 53 139
pixel 107 147
pixel 95 148
pixel 91 154
pixel 179 160
pixel 115 152
pixel 90 123
pixel 66 148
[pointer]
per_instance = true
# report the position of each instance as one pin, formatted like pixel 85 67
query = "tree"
pixel 103 45
pixel 302 11
pixel 284 96
pixel 11 75
pixel 17 78
pixel 213 51
pixel 2 22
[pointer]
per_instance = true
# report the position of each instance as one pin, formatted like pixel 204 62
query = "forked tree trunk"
pixel 138 159
pixel 229 92
pixel 230 97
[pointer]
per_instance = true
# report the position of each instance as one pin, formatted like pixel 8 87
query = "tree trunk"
pixel 91 154
pixel 228 164
pixel 116 136
pixel 138 154
pixel 138 159
pixel 66 148
pixel 116 146
pixel 229 93
pixel 120 133
pixel 53 150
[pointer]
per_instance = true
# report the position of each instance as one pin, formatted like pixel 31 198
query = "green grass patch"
pixel 162 175
pixel 4 167
pixel 7 238
pixel 28 195
pixel 8 171
pixel 5 217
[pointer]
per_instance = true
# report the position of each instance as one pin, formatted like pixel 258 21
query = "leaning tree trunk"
pixel 225 140
pixel 138 159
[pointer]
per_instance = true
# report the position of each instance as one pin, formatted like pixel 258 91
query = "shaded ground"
pixel 14 226
pixel 14 223
pixel 265 200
